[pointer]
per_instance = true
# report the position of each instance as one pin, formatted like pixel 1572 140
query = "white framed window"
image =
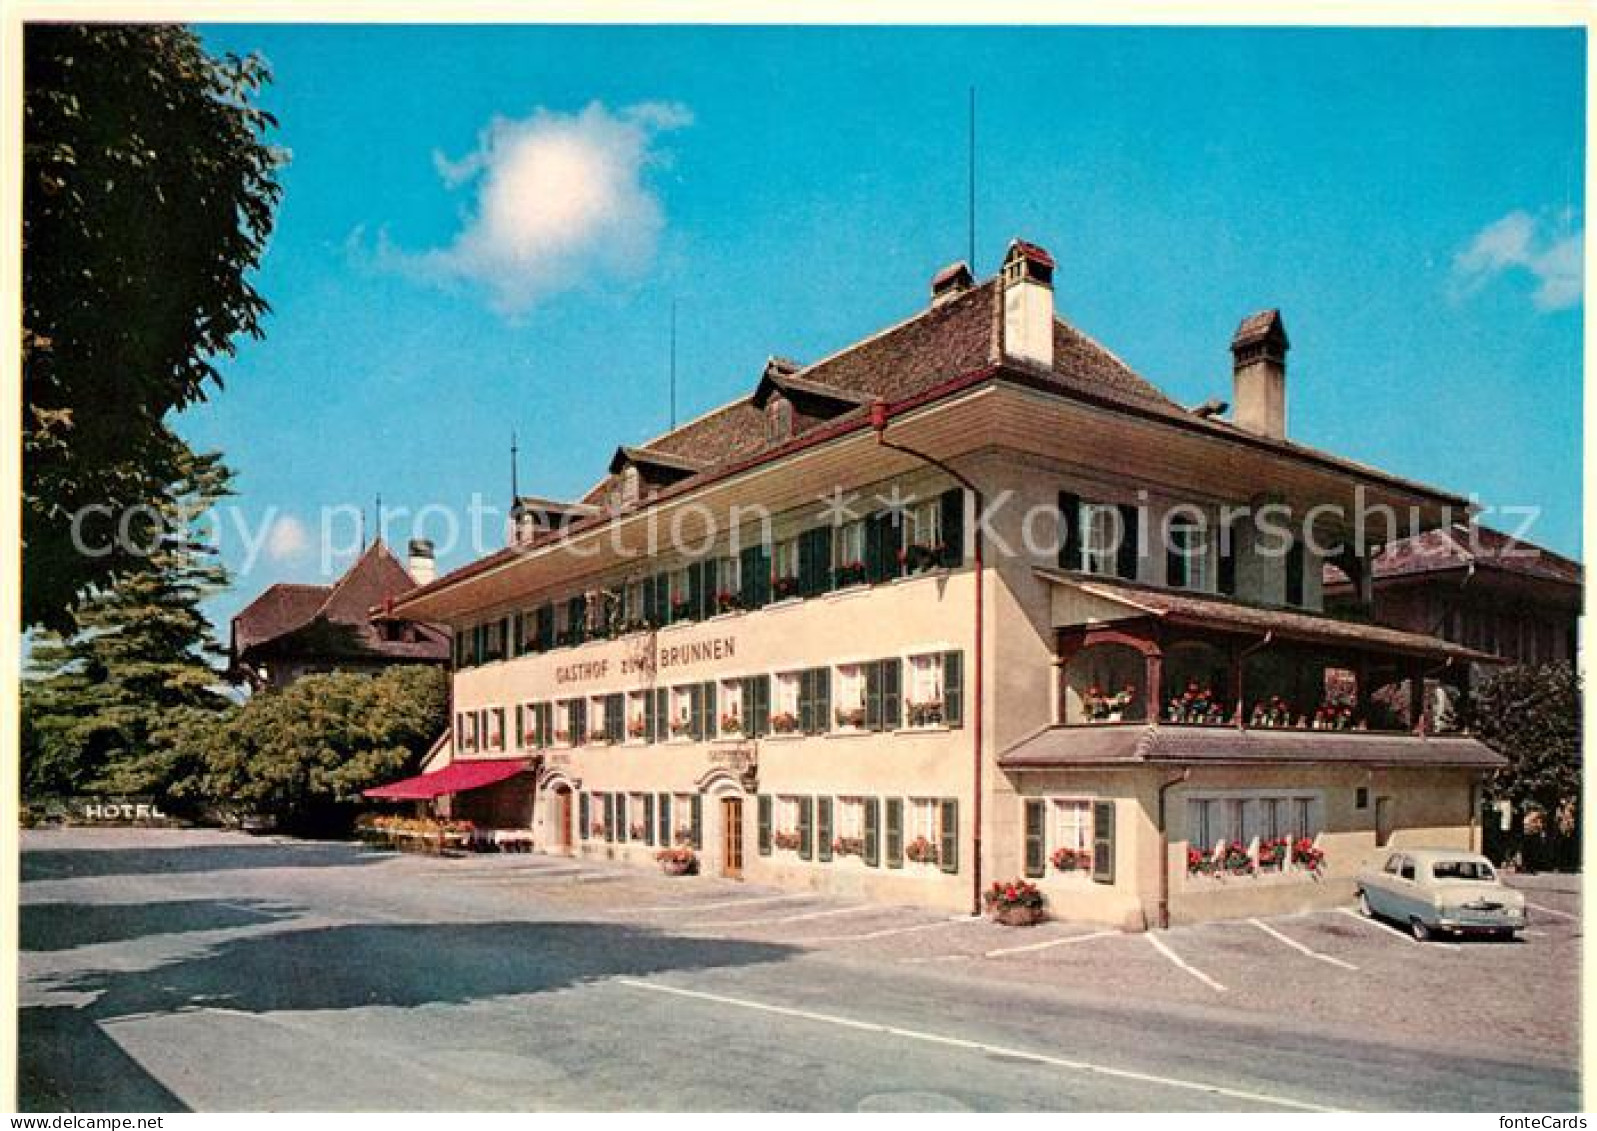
pixel 1070 837
pixel 1101 538
pixel 496 728
pixel 923 525
pixel 471 731
pixel 785 824
pixel 680 724
pixel 1188 559
pixel 784 559
pixel 637 717
pixel 848 696
pixel 784 702
pixel 922 830
pixel 729 702
pixel 923 691
pixel 638 814
pixel 848 545
pixel 848 827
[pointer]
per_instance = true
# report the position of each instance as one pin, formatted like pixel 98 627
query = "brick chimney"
pixel 1258 368
pixel 420 563
pixel 1027 281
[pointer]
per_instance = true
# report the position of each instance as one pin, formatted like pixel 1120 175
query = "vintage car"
pixel 1438 891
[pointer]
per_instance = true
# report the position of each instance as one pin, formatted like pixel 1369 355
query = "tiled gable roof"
pixel 280 608
pixel 1459 546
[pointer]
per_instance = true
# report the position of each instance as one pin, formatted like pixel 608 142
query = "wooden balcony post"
pixel 1153 665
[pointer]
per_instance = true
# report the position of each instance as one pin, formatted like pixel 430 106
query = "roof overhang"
pixel 1111 745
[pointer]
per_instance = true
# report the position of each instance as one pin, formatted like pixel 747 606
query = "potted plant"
pixel 1273 854
pixel 784 722
pixel 849 573
pixel 1102 708
pixel 636 728
pixel 848 846
pixel 786 839
pixel 679 608
pixel 926 714
pixel 679 861
pixel 920 851
pixel 918 558
pixel 727 601
pixel 1238 861
pixel 731 724
pixel 1072 860
pixel 850 716
pixel 1016 903
pixel 1307 855
pixel 1200 863
pixel 783 587
pixel 681 726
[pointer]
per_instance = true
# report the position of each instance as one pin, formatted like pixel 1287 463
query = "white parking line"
pixel 889 931
pixel 669 908
pixel 979 1046
pixel 1160 946
pixel 1379 925
pixel 1048 944
pixel 1552 911
pixel 1299 947
pixel 788 918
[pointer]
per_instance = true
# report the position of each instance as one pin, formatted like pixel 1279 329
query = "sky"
pixel 484 229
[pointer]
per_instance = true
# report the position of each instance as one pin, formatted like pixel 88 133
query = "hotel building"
pixel 965 601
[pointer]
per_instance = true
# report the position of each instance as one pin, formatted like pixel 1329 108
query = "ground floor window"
pixel 921 833
pixel 848 838
pixel 785 835
pixel 1254 832
pixel 1070 837
pixel 683 809
pixel 784 703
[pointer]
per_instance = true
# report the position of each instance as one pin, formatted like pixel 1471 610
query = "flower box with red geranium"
pixel 921 851
pixel 850 716
pixel 682 727
pixel 731 724
pixel 1015 903
pixel 680 607
pixel 1195 705
pixel 848 846
pixel 849 573
pixel 783 587
pixel 1108 708
pixel 784 722
pixel 1273 854
pixel 727 601
pixel 786 839
pixel 926 714
pixel 1200 863
pixel 1237 861
pixel 637 728
pixel 1072 860
pixel 1307 855
pixel 677 861
pixel 918 558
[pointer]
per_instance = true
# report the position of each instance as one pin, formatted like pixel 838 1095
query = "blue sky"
pixel 1409 199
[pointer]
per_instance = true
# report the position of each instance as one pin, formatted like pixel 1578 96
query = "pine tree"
pixel 101 704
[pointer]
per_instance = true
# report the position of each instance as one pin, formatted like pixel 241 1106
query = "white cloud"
pixel 287 539
pixel 1548 250
pixel 559 199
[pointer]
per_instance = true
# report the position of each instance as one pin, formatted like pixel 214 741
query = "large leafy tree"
pixel 98 705
pixel 1531 716
pixel 148 194
pixel 304 753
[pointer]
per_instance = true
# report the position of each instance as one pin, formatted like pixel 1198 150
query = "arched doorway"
pixel 726 831
pixel 559 815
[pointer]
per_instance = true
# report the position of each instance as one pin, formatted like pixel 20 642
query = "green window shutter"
pixel 756 705
pixel 1036 843
pixel 763 807
pixel 806 706
pixel 1071 541
pixel 609 816
pixel 648 716
pixel 584 815
pixel 894 847
pixel 873 831
pixel 622 832
pixel 514 643
pixel 662 714
pixel 648 818
pixel 1130 549
pixel 823 828
pixel 948 850
pixel 881 547
pixel 664 837
pixel 806 808
pixel 892 701
pixel 954 689
pixel 754 576
pixel 873 696
pixel 1103 842
pixel 823 700
pixel 952 506
pixel 711 719
pixel 698 822
pixel 521 712
pixel 695 591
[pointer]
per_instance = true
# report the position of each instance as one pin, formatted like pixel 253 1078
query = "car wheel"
pixel 1364 906
pixel 1419 929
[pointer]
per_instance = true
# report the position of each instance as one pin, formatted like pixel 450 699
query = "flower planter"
pixel 679 867
pixel 1020 916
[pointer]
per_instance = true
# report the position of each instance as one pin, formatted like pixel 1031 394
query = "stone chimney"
pixel 1027 280
pixel 951 282
pixel 420 562
pixel 1258 368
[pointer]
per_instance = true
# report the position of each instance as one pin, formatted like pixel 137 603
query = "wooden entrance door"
pixel 1385 818
pixel 732 837
pixel 567 841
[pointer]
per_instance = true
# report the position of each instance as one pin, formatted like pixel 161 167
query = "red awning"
pixel 457 777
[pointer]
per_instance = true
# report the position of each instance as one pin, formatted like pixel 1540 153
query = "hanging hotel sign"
pixel 662 657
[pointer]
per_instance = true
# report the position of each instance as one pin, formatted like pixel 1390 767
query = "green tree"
pixel 148 196
pixel 98 704
pixel 304 753
pixel 1531 716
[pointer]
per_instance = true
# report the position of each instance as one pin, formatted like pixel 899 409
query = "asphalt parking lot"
pixel 205 971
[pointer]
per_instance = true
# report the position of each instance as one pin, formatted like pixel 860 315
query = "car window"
pixel 1408 870
pixel 1393 863
pixel 1477 870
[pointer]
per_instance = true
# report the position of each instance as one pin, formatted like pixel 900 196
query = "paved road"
pixel 207 971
